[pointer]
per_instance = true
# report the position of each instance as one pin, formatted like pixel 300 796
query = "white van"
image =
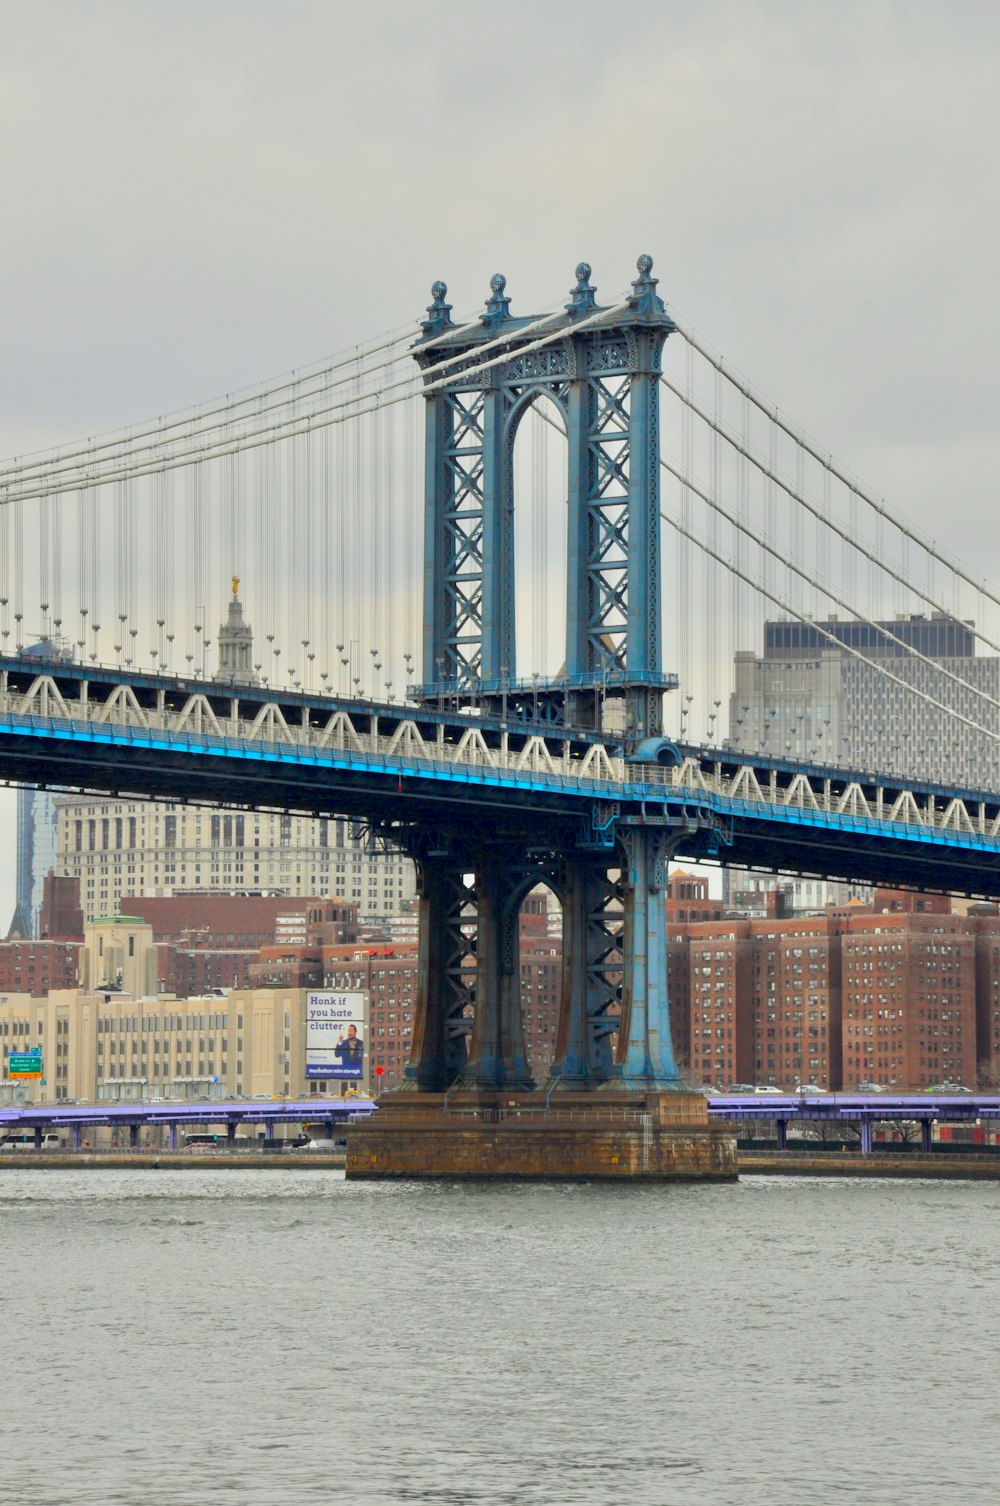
pixel 26 1141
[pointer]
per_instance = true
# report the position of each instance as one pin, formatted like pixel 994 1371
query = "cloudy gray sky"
pixel 201 193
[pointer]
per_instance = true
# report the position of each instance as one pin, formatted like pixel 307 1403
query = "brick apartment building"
pixel 902 992
pixel 389 975
pixel 796 1010
pixel 209 941
pixel 987 922
pixel 36 966
pixel 910 999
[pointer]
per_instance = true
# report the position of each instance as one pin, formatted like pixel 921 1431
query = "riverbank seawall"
pixel 171 1160
pixel 931 1164
pixel 751 1163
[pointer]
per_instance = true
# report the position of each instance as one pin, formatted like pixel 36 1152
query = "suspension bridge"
pixel 595 479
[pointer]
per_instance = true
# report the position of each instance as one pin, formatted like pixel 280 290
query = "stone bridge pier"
pixel 613 1105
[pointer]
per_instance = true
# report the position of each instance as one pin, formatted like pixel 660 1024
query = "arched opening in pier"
pixel 540 466
pixel 540 953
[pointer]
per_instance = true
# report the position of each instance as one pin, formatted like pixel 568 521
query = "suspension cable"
pixel 686 480
pixel 798 495
pixel 883 629
pixel 122 441
pixel 55 459
pixel 786 606
pixel 331 414
pixel 826 460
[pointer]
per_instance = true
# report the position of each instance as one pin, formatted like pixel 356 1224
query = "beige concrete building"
pixel 817 693
pixel 118 953
pixel 115 1038
pixel 154 848
pixel 114 1046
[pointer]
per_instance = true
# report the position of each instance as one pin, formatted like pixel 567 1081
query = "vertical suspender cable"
pixel 18 591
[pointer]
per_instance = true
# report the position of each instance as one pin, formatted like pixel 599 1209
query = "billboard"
pixel 335 1030
pixel 25 1063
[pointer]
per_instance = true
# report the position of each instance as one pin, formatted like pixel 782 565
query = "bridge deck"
pixel 231 745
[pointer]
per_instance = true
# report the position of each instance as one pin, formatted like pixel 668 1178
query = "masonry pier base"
pixel 609 1134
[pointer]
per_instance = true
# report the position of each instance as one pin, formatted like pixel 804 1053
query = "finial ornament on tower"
pixel 581 299
pixel 645 299
pixel 236 586
pixel 438 312
pixel 497 305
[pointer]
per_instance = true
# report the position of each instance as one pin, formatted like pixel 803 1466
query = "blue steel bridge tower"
pixel 609 871
pixel 602 375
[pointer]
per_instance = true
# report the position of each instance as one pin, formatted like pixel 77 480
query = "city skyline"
pixel 905 240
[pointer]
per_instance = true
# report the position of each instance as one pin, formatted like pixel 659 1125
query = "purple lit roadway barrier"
pixel 333 1113
pixel 860 1110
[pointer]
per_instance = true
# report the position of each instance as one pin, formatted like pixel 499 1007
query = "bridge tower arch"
pixel 600 366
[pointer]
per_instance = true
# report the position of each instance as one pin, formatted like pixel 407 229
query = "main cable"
pixel 796 494
pixel 412 384
pixel 123 446
pixel 686 532
pixel 286 382
pixel 799 437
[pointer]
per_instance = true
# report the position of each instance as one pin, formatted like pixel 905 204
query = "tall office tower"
pixel 154 848
pixel 816 693
pixel 808 697
pixel 36 854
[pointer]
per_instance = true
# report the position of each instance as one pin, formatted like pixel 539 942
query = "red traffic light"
pixel 379 1071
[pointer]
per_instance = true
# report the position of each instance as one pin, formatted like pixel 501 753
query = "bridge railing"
pixel 541 758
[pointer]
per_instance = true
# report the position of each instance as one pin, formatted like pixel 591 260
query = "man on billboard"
pixel 349 1050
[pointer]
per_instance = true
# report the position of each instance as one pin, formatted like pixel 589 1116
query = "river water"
pixel 265 1336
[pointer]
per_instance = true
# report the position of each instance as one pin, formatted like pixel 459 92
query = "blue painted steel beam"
pixel 122 760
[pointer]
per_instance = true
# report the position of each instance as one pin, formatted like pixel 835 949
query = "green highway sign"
pixel 24 1064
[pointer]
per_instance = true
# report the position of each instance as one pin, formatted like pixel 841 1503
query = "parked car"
pixel 742 1087
pixel 868 1087
pixel 768 1088
pixel 810 1087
